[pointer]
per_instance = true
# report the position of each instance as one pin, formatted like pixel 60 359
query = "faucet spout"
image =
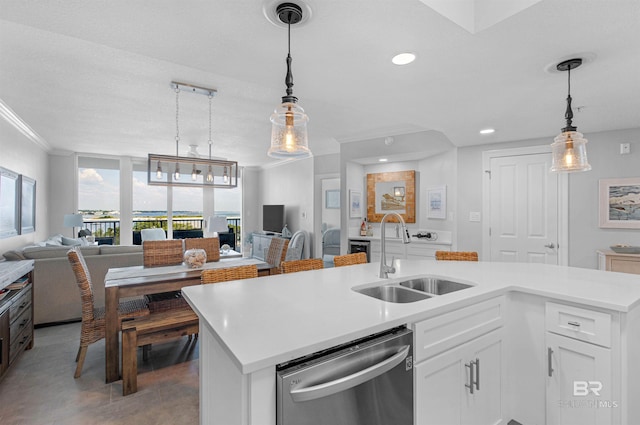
pixel 384 268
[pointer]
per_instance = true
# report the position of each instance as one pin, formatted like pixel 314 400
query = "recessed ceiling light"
pixel 403 58
pixel 383 160
pixel 488 131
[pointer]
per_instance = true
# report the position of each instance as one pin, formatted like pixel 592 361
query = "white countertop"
pixel 270 320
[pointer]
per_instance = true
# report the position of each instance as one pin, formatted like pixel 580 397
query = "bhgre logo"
pixel 583 388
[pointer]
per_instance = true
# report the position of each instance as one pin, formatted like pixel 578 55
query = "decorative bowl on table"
pixel 224 249
pixel 625 249
pixel 195 258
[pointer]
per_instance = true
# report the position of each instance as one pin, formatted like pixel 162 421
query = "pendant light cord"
pixel 177 115
pixel 210 142
pixel 568 115
pixel 289 77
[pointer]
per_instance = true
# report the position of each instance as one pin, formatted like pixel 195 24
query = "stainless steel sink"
pixel 434 285
pixel 394 294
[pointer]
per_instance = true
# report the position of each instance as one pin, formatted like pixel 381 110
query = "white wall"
pixel 63 190
pixel 251 205
pixel 291 184
pixel 585 237
pixel 435 171
pixel 330 216
pixel 21 155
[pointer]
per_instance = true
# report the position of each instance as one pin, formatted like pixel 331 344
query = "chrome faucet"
pixel 384 269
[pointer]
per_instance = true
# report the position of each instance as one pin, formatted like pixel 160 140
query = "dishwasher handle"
pixel 350 381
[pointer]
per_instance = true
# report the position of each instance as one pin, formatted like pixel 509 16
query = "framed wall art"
pixel 9 203
pixel 619 203
pixel 332 199
pixel 437 202
pixel 355 204
pixel 391 192
pixel 27 205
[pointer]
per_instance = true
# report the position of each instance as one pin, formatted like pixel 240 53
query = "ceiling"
pixel 94 76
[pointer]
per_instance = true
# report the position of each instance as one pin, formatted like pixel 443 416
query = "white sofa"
pixel 56 294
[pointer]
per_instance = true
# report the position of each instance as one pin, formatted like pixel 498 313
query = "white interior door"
pixel 523 209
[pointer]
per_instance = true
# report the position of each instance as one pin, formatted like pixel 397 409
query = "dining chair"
pixel 350 259
pixel 93 323
pixel 154 234
pixel 228 273
pixel 162 253
pixel 302 265
pixel 210 245
pixel 276 253
pixel 456 256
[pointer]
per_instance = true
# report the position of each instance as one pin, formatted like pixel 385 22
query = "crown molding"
pixel 19 124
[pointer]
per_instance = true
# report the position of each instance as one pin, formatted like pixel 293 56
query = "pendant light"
pixel 569 150
pixel 225 170
pixel 289 122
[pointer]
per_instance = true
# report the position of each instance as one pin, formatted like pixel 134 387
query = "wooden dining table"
pixel 135 281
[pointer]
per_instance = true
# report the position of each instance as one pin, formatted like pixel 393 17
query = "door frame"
pixel 563 200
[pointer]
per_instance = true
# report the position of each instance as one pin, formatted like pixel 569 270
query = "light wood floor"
pixel 39 389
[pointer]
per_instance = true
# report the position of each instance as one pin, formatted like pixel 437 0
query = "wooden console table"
pixel 16 312
pixel 612 261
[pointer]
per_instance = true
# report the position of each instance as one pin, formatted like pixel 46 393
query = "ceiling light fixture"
pixel 289 122
pixel 569 150
pixel 487 131
pixel 227 171
pixel 403 58
pixel 383 160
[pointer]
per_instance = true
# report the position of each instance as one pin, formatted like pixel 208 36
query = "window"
pixel 99 197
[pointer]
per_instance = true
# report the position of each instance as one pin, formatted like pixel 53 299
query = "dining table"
pixel 135 281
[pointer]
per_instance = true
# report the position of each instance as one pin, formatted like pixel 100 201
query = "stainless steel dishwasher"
pixel 367 381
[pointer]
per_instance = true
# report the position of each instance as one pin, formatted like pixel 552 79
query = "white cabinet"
pixel 462 385
pixel 580 387
pixel 259 245
pixel 459 370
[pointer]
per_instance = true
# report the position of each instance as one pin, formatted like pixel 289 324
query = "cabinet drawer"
pixel 20 342
pixel 19 304
pixel 579 323
pixel 446 331
pixel 21 321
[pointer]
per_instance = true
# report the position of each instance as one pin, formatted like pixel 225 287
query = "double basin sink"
pixel 413 289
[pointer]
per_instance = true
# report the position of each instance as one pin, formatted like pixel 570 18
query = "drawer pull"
pixel 572 323
pixel 471 365
pixel 549 357
pixel 477 374
pixel 24 339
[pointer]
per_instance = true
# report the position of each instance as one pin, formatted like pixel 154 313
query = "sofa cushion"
pixel 71 242
pixel 13 255
pixel 36 252
pixel 119 249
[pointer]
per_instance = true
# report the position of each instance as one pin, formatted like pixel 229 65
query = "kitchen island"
pixel 247 327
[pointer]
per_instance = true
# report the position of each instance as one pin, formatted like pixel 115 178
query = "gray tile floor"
pixel 39 389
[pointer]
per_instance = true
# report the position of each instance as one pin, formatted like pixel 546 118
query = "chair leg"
pixel 145 352
pixel 78 355
pixel 130 361
pixel 82 353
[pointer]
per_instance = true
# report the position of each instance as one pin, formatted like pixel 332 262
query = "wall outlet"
pixel 474 216
pixel 625 148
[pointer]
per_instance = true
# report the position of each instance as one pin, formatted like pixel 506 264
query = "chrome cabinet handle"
pixel 550 245
pixel 478 374
pixel 576 324
pixel 549 367
pixel 471 365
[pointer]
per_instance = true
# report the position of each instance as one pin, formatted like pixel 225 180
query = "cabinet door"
pixel 485 405
pixel 443 393
pixel 440 392
pixel 579 388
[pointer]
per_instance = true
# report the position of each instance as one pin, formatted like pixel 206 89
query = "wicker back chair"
pixel 93 325
pixel 456 256
pixel 302 265
pixel 276 253
pixel 350 259
pixel 162 253
pixel 210 245
pixel 227 274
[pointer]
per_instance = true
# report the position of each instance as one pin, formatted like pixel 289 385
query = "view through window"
pixel 99 197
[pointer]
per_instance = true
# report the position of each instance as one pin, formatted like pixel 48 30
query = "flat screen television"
pixel 272 218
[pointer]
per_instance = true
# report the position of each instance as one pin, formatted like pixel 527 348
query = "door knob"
pixel 550 245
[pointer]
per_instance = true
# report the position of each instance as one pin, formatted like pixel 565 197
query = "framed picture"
pixel 332 199
pixel 619 203
pixel 27 205
pixel 9 203
pixel 391 192
pixel 355 201
pixel 437 202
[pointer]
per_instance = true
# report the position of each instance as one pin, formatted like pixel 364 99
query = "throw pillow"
pixel 70 241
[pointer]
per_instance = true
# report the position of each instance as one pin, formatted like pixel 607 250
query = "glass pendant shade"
pixel 569 153
pixel 210 175
pixel 289 132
